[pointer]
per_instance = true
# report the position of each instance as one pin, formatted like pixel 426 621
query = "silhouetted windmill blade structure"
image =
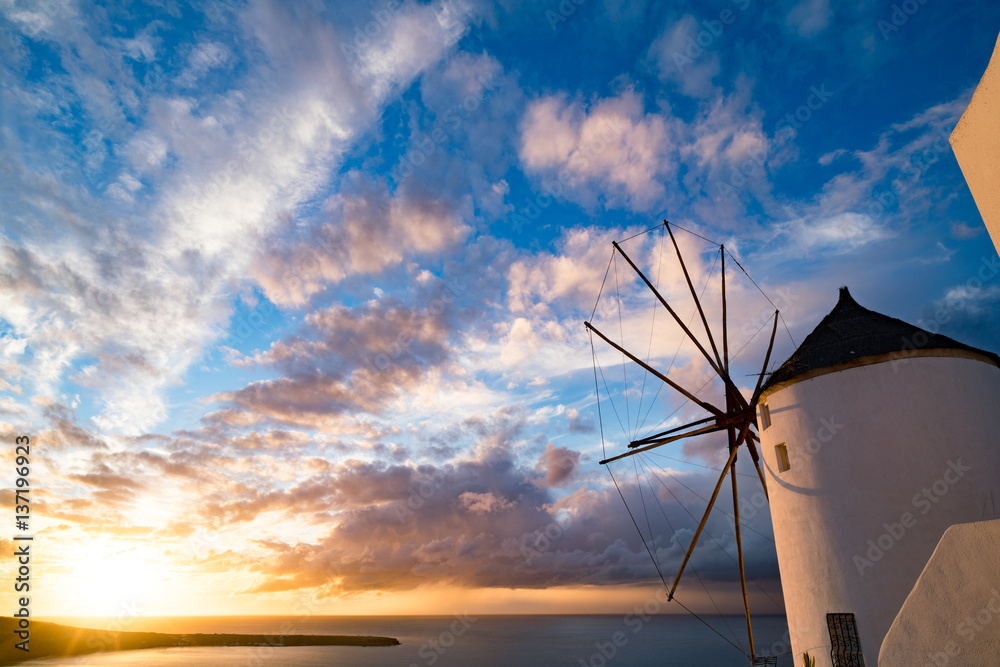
pixel 737 419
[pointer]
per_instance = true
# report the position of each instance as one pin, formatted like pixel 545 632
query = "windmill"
pixel 728 412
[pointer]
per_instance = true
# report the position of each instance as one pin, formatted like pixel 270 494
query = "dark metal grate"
pixel 845 646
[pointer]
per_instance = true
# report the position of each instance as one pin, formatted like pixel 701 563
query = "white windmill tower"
pixel 876 437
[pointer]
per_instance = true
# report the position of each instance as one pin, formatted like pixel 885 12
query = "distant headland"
pixel 52 639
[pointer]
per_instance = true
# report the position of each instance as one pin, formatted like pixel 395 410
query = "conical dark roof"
pixel 851 332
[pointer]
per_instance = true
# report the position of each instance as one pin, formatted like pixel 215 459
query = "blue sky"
pixel 267 268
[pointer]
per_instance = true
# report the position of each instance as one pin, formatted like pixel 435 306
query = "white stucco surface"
pixel 976 143
pixel 952 615
pixel 884 458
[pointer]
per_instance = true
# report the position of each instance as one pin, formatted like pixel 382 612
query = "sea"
pixel 455 641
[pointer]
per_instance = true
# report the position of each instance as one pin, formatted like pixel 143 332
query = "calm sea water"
pixel 484 641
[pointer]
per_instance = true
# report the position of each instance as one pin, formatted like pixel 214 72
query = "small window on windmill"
pixel 765 416
pixel 781 452
pixel 845 645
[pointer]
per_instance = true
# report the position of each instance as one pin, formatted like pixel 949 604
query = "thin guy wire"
pixel 597 391
pixel 721 548
pixel 708 625
pixel 676 226
pixel 601 291
pixel 787 331
pixel 700 581
pixel 649 347
pixel 692 463
pixel 621 332
pixel 714 507
pixel 709 380
pixel 611 400
pixel 676 352
pixel 649 526
pixel 640 234
pixel 751 279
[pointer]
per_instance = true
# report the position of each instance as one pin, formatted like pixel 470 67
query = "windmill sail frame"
pixel 738 419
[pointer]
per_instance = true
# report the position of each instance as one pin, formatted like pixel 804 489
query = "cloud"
pixel 352 338
pixel 143 46
pixel 577 423
pixel 968 312
pixel 728 158
pixel 611 147
pixel 349 360
pixel 415 39
pixel 442 530
pixel 828 158
pixel 64 430
pixel 203 58
pixel 972 299
pixel 363 231
pixel 559 464
pixel 484 503
pixel 678 58
pixel 960 230
pixel 728 132
pixel 809 17
pixel 545 283
pixel 836 234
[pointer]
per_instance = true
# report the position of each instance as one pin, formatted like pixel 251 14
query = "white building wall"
pixel 951 618
pixel 884 458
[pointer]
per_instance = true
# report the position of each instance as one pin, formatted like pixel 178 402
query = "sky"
pixel 292 294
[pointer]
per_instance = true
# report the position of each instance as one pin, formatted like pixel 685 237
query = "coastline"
pixel 55 640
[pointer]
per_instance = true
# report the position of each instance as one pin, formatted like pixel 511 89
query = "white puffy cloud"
pixel 569 277
pixel 725 135
pixel 610 151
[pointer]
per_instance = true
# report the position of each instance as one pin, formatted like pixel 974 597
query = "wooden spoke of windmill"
pixel 738 418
